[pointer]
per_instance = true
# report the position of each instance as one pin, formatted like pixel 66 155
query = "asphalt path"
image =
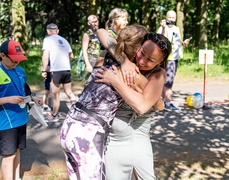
pixel 176 136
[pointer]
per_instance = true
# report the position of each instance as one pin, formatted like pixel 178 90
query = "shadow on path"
pixel 179 140
pixel 190 136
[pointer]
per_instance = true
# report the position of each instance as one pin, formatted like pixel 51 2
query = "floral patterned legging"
pixel 83 148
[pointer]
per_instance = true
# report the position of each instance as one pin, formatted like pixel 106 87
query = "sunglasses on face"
pixel 160 43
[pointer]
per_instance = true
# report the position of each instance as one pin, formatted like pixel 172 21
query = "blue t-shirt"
pixel 12 83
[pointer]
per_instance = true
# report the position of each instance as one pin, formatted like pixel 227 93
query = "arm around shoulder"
pixel 140 102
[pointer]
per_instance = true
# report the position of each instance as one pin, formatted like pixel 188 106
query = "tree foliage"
pixel 18 23
pixel 205 20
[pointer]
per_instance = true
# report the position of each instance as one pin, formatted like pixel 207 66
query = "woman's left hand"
pixel 129 71
pixel 38 101
pixel 107 76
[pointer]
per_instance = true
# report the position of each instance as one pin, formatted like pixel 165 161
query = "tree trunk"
pixel 203 25
pixel 215 34
pixel 145 14
pixel 180 17
pixel 18 23
pixel 197 24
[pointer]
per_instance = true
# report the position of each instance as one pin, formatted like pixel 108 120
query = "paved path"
pixel 176 136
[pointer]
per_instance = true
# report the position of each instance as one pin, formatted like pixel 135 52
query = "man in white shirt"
pixel 58 51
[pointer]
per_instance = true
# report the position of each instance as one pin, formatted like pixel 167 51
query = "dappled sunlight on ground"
pixel 192 143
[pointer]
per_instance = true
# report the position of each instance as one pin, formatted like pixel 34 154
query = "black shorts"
pixel 12 139
pixel 47 81
pixel 171 70
pixel 61 77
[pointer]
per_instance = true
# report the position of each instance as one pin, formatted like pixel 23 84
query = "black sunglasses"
pixel 160 43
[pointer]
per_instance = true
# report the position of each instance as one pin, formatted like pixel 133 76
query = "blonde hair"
pixel 115 13
pixel 129 40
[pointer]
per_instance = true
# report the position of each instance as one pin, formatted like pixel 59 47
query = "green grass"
pixel 189 66
pixel 32 67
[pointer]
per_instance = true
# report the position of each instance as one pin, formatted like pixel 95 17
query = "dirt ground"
pixel 190 144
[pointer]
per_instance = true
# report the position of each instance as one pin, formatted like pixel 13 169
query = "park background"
pixel 205 20
pixel 192 144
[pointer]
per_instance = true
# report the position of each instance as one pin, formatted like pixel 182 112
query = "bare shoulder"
pixel 140 83
pixel 158 73
pixel 85 36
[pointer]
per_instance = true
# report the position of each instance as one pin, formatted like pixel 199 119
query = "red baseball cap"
pixel 13 50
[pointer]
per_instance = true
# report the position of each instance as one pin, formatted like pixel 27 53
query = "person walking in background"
pixel 13 109
pixel 90 43
pixel 172 32
pixel 59 52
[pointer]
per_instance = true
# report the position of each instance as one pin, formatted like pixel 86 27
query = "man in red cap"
pixel 13 110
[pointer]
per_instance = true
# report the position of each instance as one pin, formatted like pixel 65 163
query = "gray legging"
pixel 129 147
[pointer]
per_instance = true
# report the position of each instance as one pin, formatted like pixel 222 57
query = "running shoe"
pixel 51 118
pixel 171 107
pixel 47 110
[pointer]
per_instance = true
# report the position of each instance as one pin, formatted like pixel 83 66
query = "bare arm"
pixel 141 82
pixel 71 55
pixel 11 100
pixel 109 42
pixel 140 102
pixel 45 67
pixel 45 59
pixel 85 43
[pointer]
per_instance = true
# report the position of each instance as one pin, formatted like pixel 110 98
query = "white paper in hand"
pixel 36 112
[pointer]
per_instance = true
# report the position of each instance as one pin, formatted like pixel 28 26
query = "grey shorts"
pixel 12 139
pixel 171 70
